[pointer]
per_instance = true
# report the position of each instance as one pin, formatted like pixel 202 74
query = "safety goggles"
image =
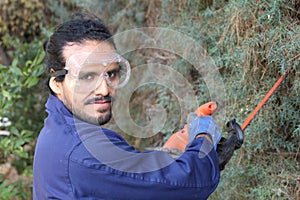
pixel 86 71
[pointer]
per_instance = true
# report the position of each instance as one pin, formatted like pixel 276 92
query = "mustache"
pixel 99 99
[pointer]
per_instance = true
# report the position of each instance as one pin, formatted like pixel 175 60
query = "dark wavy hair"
pixel 82 26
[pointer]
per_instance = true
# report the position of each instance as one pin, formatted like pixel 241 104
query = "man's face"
pixel 90 105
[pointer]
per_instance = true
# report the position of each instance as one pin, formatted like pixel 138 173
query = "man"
pixel 76 158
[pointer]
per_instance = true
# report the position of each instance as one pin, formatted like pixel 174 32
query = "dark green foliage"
pixel 21 102
pixel 23 93
pixel 253 44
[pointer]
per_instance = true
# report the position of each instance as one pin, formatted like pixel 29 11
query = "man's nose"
pixel 102 89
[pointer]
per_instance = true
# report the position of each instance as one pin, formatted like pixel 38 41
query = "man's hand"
pixel 203 125
pixel 226 147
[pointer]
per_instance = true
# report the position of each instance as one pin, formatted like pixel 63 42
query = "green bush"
pixel 21 104
pixel 24 25
pixel 253 44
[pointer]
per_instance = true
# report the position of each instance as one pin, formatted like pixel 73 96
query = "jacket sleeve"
pixel 106 167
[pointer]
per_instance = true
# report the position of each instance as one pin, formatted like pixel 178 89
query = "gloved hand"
pixel 206 124
pixel 226 147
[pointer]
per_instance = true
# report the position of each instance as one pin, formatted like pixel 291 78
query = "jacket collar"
pixel 55 105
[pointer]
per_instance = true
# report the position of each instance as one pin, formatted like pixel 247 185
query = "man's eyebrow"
pixel 93 66
pixel 113 66
pixel 113 70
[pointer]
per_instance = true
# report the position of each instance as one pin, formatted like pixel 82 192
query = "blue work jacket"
pixel 76 160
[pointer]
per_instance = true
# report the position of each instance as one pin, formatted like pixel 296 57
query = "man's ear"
pixel 55 86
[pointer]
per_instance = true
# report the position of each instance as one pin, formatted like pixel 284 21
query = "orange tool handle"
pixel 264 100
pixel 180 139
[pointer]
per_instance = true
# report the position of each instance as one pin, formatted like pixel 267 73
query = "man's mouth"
pixel 99 100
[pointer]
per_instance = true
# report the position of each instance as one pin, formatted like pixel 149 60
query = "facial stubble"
pixel 100 117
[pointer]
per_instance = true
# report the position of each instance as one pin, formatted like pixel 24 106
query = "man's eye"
pixel 87 77
pixel 113 73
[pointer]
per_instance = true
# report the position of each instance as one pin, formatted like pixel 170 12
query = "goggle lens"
pixel 87 71
pixel 89 78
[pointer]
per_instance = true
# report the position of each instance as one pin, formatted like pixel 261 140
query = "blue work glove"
pixel 203 125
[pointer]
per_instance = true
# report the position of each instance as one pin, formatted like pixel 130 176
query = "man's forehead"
pixel 98 67
pixel 88 46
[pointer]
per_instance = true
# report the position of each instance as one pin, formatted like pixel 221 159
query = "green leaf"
pixel 31 81
pixel 28 63
pixel 14 69
pixel 3 67
pixel 6 94
pixel 38 58
pixel 23 154
pixel 14 131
